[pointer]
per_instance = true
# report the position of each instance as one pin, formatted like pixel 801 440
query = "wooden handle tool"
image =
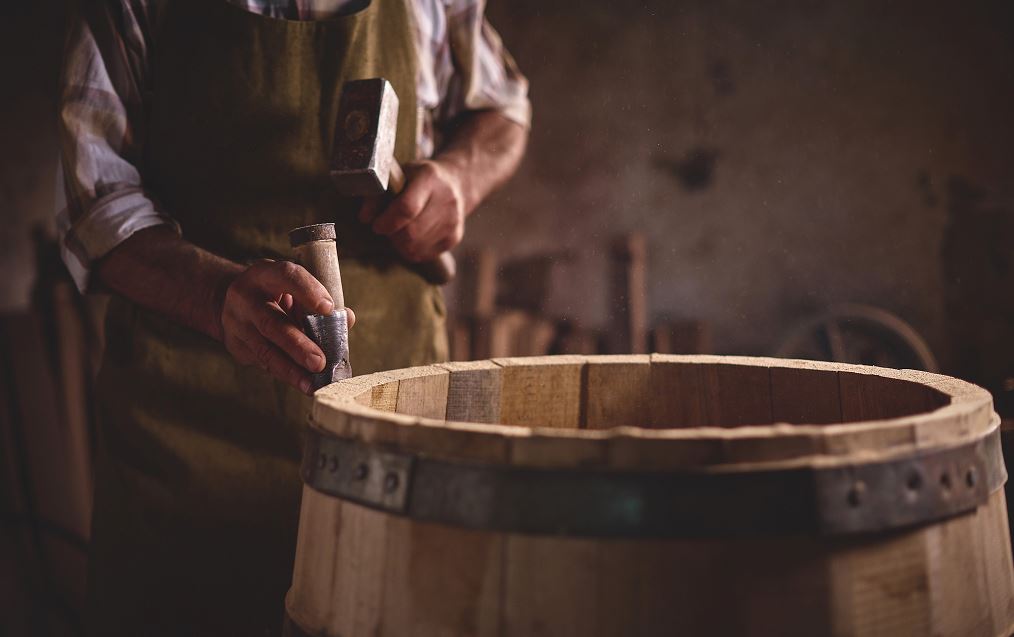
pixel 316 250
pixel 363 162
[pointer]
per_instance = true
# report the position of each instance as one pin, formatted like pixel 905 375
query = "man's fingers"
pixel 403 209
pixel 269 358
pixel 285 277
pixel 351 317
pixel 286 303
pixel 421 240
pixel 274 326
pixel 407 248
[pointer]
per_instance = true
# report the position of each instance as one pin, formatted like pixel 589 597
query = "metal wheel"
pixel 862 334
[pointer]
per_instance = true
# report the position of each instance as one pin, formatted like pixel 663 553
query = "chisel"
pixel 317 251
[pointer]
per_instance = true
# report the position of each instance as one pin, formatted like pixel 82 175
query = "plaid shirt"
pixel 462 66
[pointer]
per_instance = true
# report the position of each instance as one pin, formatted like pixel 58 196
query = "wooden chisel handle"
pixel 439 271
pixel 317 251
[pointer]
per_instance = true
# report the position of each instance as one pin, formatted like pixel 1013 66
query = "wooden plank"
pixel 956 578
pixel 550 587
pixel 995 540
pixel 441 580
pixel 310 598
pixel 851 439
pixel 498 335
pixel 662 455
pixel 881 587
pixel 681 337
pixel 526 283
pixel 674 590
pixel 737 395
pixel 541 391
pixel 630 289
pixel 666 587
pixel 359 574
pixel 456 441
pixel 872 397
pixel 617 391
pixel 503 331
pixel 422 392
pixel 512 333
pixel 481 337
pixel 477 285
pixel 339 566
pixel 573 339
pixel 805 396
pixel 677 394
pixel 536 337
pixel 384 395
pixel 619 592
pixel 780 442
pixel 850 391
pixel 459 338
pixel 473 392
pixel 780 585
pixel 553 452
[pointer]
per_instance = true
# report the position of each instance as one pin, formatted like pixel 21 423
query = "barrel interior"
pixel 646 392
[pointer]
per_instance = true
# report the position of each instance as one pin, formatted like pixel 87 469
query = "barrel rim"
pixel 339 410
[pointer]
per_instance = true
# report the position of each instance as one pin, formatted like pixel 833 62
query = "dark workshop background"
pixel 779 159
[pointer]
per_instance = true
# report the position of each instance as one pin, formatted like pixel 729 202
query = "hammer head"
pixel 364 137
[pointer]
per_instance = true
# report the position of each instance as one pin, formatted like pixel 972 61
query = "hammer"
pixel 363 163
pixel 316 251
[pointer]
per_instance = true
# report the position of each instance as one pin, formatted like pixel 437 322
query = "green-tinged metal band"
pixel 858 498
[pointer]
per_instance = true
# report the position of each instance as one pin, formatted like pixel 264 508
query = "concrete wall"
pixel 779 156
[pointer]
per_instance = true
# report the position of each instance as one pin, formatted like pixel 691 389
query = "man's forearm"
pixel 485 148
pixel 249 308
pixel 158 270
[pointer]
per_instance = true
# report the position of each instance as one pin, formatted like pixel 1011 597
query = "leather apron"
pixel 197 497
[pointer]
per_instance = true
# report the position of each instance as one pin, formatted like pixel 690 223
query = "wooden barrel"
pixel 652 495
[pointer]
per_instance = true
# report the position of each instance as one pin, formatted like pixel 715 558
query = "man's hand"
pixel 427 218
pixel 482 149
pixel 260 310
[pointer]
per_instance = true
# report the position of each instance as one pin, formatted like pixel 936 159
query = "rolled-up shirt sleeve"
pixel 106 200
pixel 485 75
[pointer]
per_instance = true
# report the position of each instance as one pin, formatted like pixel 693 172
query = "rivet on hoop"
pixel 391 482
pixel 914 481
pixel 856 493
pixel 971 477
pixel 362 471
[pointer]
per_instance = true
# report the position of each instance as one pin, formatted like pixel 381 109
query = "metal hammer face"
pixel 364 137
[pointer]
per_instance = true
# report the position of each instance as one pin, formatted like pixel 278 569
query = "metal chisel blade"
pixel 331 333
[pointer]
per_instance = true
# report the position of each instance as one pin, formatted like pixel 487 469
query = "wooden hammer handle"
pixel 439 271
